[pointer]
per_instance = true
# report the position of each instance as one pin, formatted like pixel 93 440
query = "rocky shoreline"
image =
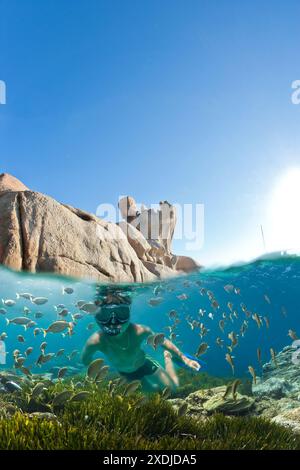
pixel 39 234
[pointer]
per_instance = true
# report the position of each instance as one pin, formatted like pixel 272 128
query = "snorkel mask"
pixel 113 319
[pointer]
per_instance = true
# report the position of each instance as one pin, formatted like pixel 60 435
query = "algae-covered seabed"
pixel 110 420
pixel 82 413
pixel 41 411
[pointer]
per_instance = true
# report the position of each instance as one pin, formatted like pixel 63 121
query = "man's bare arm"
pixel 169 346
pixel 92 346
pixel 143 331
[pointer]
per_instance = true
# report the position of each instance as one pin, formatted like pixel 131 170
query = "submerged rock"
pixel 289 419
pixel 206 402
pixel 274 387
pixel 228 406
pixel 280 380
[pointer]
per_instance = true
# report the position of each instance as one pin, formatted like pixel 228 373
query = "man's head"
pixel 113 319
pixel 114 313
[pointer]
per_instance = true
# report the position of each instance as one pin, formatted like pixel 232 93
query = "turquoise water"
pixel 269 288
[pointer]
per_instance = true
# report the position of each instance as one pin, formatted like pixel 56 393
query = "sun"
pixel 283 213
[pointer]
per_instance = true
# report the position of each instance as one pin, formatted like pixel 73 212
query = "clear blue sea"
pixel 269 288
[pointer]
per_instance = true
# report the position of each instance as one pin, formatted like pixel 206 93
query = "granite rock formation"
pixel 39 234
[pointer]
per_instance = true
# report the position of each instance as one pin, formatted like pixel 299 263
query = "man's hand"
pixel 190 363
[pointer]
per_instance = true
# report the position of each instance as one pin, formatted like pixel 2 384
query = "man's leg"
pixel 162 378
pixel 170 369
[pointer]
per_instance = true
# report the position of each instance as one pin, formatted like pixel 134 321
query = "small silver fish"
pixel 102 372
pixel 62 398
pixel 166 393
pixel 94 368
pixel 28 351
pixel 155 301
pixel 89 308
pixel 39 300
pixel 73 354
pixel 158 340
pixel 18 321
pixel 182 297
pixel 228 288
pixel 81 396
pixel 58 327
pixel 44 358
pixel 201 349
pixel 229 359
pixel 252 372
pixel 132 387
pixel 293 335
pixel 43 346
pixel 38 389
pixel 8 303
pixel 77 316
pixel 62 372
pixel 63 313
pixel 24 295
pixel 67 290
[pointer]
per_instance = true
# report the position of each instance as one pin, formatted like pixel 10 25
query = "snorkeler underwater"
pixel 149 228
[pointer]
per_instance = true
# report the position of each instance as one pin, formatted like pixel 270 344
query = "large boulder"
pixel 186 264
pixel 206 402
pixel 281 379
pixel 289 419
pixel 38 234
pixel 274 387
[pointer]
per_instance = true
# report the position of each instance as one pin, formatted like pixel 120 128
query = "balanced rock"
pixel 156 227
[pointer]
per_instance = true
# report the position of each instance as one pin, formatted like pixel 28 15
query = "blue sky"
pixel 188 101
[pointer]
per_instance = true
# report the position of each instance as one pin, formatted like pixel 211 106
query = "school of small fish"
pixel 232 321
